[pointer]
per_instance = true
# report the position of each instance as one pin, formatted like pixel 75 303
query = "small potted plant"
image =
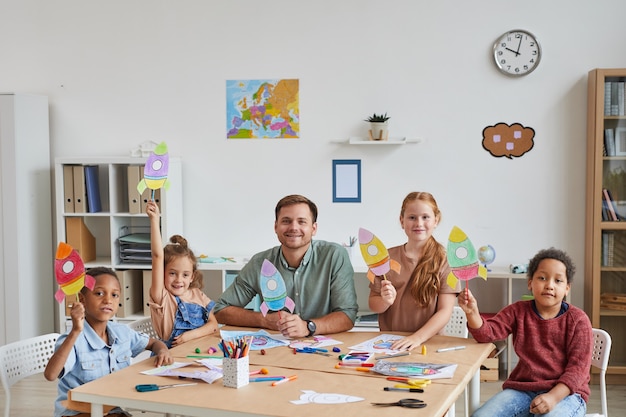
pixel 378 126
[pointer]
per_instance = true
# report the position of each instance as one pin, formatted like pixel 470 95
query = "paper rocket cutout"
pixel 312 397
pixel 69 270
pixel 375 255
pixel 462 258
pixel 156 170
pixel 273 290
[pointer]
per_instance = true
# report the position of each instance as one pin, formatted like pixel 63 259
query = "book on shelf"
pixel 610 205
pixel 92 187
pixel 607 98
pixel 608 248
pixel 609 142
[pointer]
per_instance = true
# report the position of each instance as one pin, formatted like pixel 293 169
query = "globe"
pixel 486 254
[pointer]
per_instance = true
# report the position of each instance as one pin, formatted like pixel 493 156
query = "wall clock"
pixel 517 53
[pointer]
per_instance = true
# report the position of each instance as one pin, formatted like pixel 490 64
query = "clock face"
pixel 517 53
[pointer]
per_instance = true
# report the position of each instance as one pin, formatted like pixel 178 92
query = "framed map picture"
pixel 262 109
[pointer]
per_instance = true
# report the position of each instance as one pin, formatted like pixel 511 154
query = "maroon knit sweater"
pixel 550 351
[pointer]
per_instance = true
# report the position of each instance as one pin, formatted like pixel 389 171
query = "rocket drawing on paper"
pixel 69 270
pixel 463 259
pixel 156 170
pixel 313 397
pixel 375 255
pixel 273 290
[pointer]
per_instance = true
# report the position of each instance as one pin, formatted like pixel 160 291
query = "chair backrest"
pixel 144 326
pixel 600 359
pixel 457 325
pixel 24 358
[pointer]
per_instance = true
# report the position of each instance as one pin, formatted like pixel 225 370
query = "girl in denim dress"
pixel 179 308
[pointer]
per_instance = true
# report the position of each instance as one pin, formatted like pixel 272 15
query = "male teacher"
pixel 318 277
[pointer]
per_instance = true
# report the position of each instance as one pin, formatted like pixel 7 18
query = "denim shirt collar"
pixel 95 342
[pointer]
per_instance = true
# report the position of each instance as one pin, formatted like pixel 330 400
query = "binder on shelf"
pixel 92 186
pixel 131 295
pixel 68 188
pixel 134 198
pixel 147 193
pixel 80 238
pixel 147 283
pixel 80 195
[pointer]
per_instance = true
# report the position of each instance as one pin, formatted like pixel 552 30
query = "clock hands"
pixel 515 52
pixel 519 46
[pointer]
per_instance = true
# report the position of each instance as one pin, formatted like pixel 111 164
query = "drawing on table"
pixel 309 396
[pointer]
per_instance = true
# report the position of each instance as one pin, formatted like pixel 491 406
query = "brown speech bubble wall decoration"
pixel 508 140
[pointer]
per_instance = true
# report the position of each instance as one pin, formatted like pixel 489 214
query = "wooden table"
pixel 315 373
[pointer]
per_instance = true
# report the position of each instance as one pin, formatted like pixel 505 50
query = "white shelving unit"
pixel 107 225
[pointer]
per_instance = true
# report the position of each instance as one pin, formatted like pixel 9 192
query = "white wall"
pixel 121 72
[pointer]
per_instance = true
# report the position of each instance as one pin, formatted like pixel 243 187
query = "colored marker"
pixel 366 365
pixel 267 378
pixel 206 356
pixel 282 381
pixel 403 389
pixel 450 349
pixel 395 355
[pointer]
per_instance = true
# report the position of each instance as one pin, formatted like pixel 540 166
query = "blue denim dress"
pixel 189 316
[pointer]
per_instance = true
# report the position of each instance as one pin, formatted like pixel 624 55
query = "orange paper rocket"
pixel 375 255
pixel 69 270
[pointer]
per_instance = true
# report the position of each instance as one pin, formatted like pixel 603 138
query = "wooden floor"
pixel 34 396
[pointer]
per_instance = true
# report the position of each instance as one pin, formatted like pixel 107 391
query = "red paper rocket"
pixel 69 270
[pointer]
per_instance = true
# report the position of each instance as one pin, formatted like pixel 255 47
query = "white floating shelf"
pixel 390 141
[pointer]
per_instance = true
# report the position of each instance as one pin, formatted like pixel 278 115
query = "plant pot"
pixel 379 131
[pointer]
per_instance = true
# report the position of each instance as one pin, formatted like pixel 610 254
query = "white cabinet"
pixel 116 185
pixel 26 261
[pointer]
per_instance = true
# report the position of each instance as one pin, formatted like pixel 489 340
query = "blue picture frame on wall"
pixel 346 180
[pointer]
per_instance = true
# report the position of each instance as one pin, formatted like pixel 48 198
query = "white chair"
pixel 143 326
pixel 600 359
pixel 24 358
pixel 457 327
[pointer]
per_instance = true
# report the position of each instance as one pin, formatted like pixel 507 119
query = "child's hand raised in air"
pixel 152 210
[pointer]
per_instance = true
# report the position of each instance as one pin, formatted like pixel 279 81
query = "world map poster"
pixel 262 109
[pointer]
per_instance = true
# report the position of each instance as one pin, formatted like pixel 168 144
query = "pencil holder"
pixel 236 372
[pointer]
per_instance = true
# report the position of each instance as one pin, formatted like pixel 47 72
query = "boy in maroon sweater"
pixel 552 338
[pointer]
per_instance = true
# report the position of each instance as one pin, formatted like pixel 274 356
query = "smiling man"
pixel 318 276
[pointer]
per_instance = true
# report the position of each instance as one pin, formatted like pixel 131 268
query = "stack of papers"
pixel 135 248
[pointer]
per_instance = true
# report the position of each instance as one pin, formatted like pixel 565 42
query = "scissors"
pixel 155 387
pixel 405 402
